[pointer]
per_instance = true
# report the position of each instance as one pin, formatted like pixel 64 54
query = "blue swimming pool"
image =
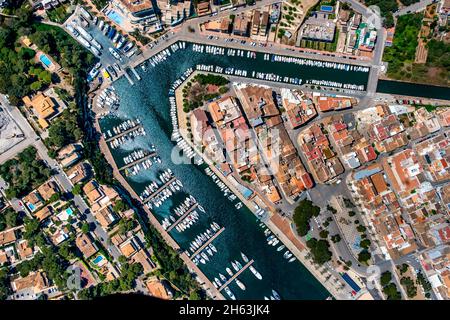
pixel 327 9
pixel 98 259
pixel 45 60
pixel 31 206
pixel 114 16
pixel 69 211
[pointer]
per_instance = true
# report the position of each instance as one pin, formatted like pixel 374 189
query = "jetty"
pixel 152 154
pixel 135 73
pixel 124 133
pixel 203 246
pixel 236 274
pixel 182 217
pixel 128 77
pixel 150 197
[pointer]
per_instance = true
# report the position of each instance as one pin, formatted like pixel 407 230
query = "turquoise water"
pixel 31 206
pixel 69 211
pixel 98 259
pixel 148 100
pixel 45 60
pixel 114 16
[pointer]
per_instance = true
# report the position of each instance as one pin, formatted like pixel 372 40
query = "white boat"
pixel 292 259
pixel 229 293
pixel 244 257
pixel 276 295
pixel 235 267
pixel 228 270
pixel 255 273
pixel 240 284
pixel 281 247
pixel 222 277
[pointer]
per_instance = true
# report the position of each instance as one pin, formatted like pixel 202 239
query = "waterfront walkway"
pixel 182 217
pixel 236 274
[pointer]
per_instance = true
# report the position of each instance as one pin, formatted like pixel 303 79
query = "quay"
pixel 193 268
pixel 137 161
pixel 208 242
pixel 236 274
pixel 123 133
pixel 160 189
pixel 182 217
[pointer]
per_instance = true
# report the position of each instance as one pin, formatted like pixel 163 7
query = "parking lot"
pixel 113 50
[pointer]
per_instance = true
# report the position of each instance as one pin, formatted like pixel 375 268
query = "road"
pixel 415 7
pixel 31 138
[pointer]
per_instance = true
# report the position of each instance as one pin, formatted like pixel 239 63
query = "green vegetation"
pixel 59 14
pixel 324 234
pixel 426 285
pixel 126 225
pixel 439 56
pixel 411 289
pixel 403 268
pixel 65 129
pixel 5 290
pixel 302 214
pixel 392 292
pixel 336 238
pixel 403 49
pixel 385 278
pixel 24 173
pixel 364 243
pixel 387 8
pixel 319 250
pixel 196 92
pixel 9 218
pixel 364 256
pixel 120 206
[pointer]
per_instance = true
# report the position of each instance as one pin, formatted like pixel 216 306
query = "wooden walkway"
pixel 195 205
pixel 236 274
pixel 150 197
pixel 124 133
pixel 137 161
pixel 207 242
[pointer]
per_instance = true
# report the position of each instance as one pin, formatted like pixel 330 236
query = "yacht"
pixel 229 293
pixel 240 284
pixel 255 273
pixel 244 257
pixel 281 247
pixel 276 295
pixel 222 277
pixel 228 270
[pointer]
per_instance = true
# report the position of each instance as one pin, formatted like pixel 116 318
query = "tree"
pixel 403 268
pixel 324 234
pixel 336 238
pixel 385 278
pixel 364 256
pixel 120 206
pixel 319 250
pixel 85 228
pixel 77 189
pixel 302 214
pixel 361 228
pixel 391 292
pixel 364 243
pixel 55 197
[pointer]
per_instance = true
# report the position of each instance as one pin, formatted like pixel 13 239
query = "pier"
pixel 159 189
pixel 123 133
pixel 135 73
pixel 182 217
pixel 152 154
pixel 236 274
pixel 207 242
pixel 128 78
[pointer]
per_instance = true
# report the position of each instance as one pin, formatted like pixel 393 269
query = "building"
pixel 48 189
pixel 322 29
pixel 43 107
pixel 30 287
pixel 241 25
pixel 86 246
pixel 256 20
pixel 156 289
pixel 70 154
pixel 203 8
pixel 299 108
pixel 79 172
pixel 7 237
pixel 139 13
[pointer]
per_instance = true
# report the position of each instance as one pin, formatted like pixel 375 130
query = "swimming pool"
pixel 45 60
pixel 114 16
pixel 327 9
pixel 69 211
pixel 31 206
pixel 98 259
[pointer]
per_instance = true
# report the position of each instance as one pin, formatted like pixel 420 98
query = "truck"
pixel 96 44
pixel 83 41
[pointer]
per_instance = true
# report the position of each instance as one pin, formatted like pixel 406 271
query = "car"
pixel 339 181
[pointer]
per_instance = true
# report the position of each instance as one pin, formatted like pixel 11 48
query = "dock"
pixel 123 133
pixel 159 189
pixel 135 73
pixel 208 242
pixel 182 217
pixel 152 154
pixel 128 78
pixel 236 274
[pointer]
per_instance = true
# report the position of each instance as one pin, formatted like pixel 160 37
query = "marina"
pixel 194 206
pixel 208 242
pixel 247 265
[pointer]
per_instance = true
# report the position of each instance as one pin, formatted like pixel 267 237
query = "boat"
pixel 265 298
pixel 218 282
pixel 235 266
pixel 240 284
pixel 238 264
pixel 287 255
pixel 276 295
pixel 228 270
pixel 292 259
pixel 255 273
pixel 244 257
pixel 229 293
pixel 222 277
pixel 281 247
